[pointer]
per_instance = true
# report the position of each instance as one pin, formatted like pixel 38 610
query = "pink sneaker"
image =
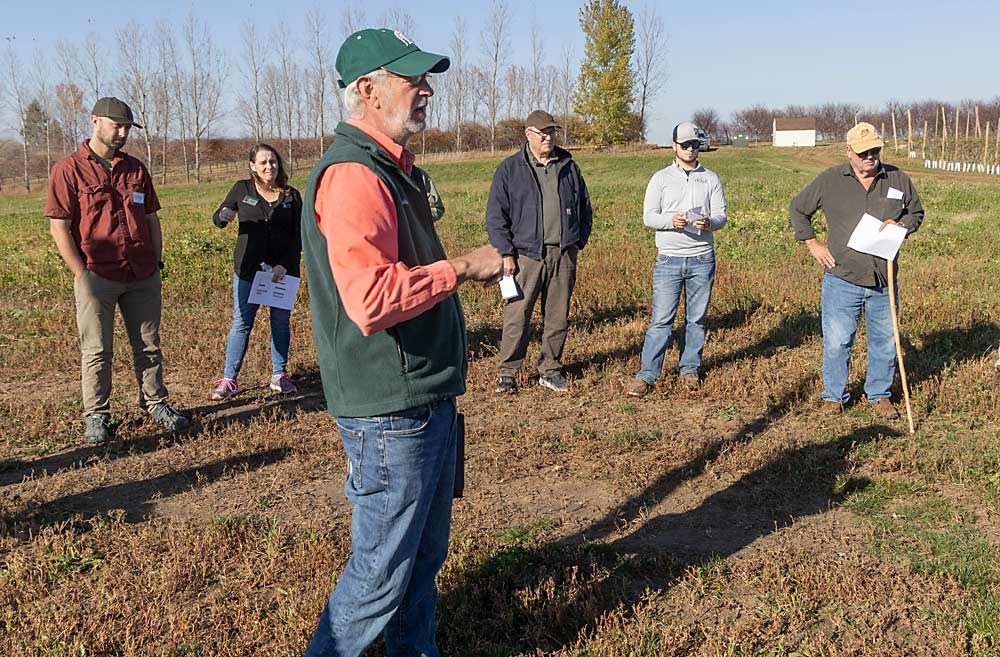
pixel 283 383
pixel 224 389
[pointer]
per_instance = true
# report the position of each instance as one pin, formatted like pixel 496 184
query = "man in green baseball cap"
pixel 393 354
pixel 369 50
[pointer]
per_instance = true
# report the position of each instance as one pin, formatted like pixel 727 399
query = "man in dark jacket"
pixel 538 216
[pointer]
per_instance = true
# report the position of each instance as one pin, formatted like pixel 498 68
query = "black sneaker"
pixel 506 385
pixel 555 382
pixel 98 429
pixel 168 417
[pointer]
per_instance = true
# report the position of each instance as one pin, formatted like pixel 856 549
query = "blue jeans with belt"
pixel 695 276
pixel 400 485
pixel 842 303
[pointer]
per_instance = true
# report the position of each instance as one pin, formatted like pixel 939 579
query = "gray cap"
pixel 686 131
pixel 111 108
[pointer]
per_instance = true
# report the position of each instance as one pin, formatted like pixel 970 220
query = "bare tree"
pixel 495 39
pixel 398 19
pixel 567 82
pixel 68 95
pixel 458 79
pixel 92 65
pixel 164 58
pixel 316 75
pixel 251 67
pixel 179 86
pixel 352 18
pixel 204 83
pixel 286 78
pixel 534 90
pixel 17 92
pixel 650 59
pixel 136 79
pixel 45 101
pixel 707 119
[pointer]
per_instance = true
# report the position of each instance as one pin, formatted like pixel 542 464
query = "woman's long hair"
pixel 281 178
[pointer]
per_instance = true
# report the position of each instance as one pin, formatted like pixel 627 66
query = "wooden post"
pixel 899 346
pixel 957 116
pixel 996 147
pixel 882 131
pixel 923 149
pixel 968 125
pixel 909 133
pixel 986 145
pixel 978 131
pixel 944 132
pixel 895 142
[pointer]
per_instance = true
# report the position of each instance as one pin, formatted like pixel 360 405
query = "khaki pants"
pixel 553 279
pixel 139 301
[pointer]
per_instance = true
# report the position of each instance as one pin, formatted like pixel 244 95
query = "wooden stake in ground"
pixel 909 133
pixel 895 142
pixel 899 347
pixel 944 132
pixel 986 146
pixel 923 149
pixel 957 111
pixel 979 133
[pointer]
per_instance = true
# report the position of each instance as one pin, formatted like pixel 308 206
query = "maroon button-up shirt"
pixel 108 212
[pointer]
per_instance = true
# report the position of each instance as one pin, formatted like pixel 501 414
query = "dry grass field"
pixel 731 522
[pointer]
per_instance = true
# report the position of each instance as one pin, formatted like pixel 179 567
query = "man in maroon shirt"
pixel 102 215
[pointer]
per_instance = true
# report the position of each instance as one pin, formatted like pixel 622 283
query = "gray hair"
pixel 352 99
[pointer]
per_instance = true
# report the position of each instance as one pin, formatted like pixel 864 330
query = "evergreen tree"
pixel 606 88
pixel 36 122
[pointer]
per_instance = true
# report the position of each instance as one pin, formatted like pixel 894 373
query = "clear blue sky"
pixel 726 54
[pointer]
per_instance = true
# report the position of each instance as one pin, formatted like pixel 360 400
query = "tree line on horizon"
pixel 178 81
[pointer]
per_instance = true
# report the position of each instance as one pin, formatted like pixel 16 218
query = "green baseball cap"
pixel 369 50
pixel 111 108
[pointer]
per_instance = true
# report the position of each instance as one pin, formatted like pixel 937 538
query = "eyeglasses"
pixel 690 145
pixel 870 154
pixel 542 134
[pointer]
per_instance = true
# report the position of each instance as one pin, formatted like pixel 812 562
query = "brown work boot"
pixel 638 388
pixel 831 407
pixel 690 380
pixel 885 410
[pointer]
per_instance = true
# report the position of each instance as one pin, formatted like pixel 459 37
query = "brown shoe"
pixel 885 410
pixel 690 380
pixel 638 388
pixel 831 407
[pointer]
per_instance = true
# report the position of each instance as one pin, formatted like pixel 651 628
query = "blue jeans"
pixel 695 275
pixel 400 485
pixel 842 303
pixel 239 335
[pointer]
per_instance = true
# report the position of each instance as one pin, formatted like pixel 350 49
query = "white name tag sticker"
pixel 138 198
pixel 251 200
pixel 894 193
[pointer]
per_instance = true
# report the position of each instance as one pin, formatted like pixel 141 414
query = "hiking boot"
pixel 690 380
pixel 830 407
pixel 282 383
pixel 555 382
pixel 224 389
pixel 638 388
pixel 168 417
pixel 98 429
pixel 506 385
pixel 885 410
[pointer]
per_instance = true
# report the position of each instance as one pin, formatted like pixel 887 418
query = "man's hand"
pixel 705 223
pixel 821 253
pixel 509 265
pixel 680 220
pixel 277 273
pixel 889 222
pixel 226 215
pixel 484 264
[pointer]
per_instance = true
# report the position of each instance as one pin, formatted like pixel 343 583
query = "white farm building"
pixel 795 132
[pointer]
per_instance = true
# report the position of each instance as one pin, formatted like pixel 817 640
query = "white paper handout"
pixel 691 216
pixel 508 288
pixel 894 193
pixel 266 292
pixel 867 238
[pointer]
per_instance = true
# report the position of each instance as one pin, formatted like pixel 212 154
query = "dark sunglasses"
pixel 871 153
pixel 690 145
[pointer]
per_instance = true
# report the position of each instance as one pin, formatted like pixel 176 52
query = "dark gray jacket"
pixel 514 207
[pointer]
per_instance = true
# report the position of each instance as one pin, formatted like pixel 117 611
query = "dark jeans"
pixel 553 279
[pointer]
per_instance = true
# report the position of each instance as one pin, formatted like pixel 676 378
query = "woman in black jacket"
pixel 268 211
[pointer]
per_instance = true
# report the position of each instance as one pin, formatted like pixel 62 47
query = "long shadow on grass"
pixel 789 334
pixel 135 498
pixel 527 598
pixel 945 349
pixel 212 416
